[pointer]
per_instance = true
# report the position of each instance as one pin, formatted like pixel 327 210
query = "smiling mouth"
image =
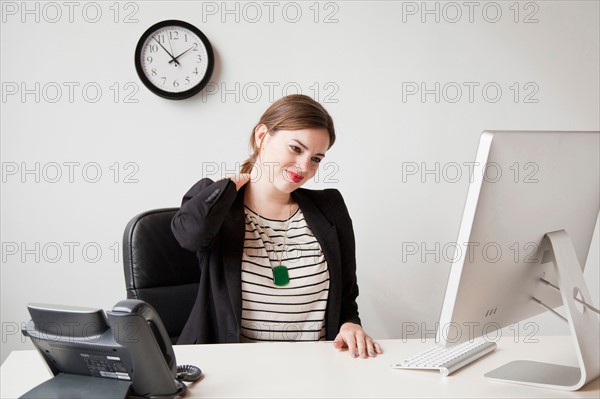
pixel 295 176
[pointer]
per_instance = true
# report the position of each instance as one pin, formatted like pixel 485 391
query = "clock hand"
pixel 172 52
pixel 167 51
pixel 175 59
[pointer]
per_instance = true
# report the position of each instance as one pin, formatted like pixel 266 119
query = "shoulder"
pixel 329 201
pixel 322 197
pixel 204 182
pixel 200 184
pixel 207 182
pixel 208 186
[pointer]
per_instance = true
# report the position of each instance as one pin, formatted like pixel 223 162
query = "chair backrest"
pixel 158 270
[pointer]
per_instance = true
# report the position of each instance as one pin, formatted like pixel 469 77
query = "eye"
pixel 316 159
pixel 296 149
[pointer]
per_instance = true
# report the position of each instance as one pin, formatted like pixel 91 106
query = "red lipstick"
pixel 296 178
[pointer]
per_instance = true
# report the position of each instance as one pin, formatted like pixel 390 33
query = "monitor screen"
pixel 524 185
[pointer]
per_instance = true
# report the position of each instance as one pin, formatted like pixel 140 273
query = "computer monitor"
pixel 532 205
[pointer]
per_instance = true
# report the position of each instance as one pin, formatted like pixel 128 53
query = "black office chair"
pixel 158 270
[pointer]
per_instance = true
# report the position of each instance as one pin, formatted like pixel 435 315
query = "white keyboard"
pixel 448 360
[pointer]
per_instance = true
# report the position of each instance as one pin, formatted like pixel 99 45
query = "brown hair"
pixel 293 112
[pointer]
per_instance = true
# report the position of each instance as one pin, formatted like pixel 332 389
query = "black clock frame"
pixel 162 93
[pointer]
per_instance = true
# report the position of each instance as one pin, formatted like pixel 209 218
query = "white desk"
pixel 282 370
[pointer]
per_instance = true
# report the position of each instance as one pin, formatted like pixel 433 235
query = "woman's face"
pixel 289 158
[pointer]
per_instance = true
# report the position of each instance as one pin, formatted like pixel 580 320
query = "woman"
pixel 277 261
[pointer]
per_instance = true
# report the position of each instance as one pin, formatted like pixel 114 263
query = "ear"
pixel 260 134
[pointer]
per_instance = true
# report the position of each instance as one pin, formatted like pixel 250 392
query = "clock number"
pixel 153 71
pixel 173 35
pixel 195 71
pixel 187 80
pixel 195 47
pixel 175 83
pixel 161 38
pixel 153 48
pixel 199 59
pixel 164 79
pixel 149 59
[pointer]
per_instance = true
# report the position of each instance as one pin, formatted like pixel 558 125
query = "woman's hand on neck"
pixel 239 180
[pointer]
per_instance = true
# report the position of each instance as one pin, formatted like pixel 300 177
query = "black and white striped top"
pixel 296 311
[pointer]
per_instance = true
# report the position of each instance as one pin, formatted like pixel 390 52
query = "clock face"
pixel 174 59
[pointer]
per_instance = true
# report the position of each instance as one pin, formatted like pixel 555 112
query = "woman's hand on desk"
pixel 353 337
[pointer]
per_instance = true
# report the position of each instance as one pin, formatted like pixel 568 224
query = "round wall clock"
pixel 174 59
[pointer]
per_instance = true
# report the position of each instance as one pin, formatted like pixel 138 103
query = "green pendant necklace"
pixel 281 276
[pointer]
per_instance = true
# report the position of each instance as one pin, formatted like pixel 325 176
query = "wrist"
pixel 349 324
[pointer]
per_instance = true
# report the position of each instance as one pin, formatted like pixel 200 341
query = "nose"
pixel 304 163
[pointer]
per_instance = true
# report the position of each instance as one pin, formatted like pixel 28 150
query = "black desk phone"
pixel 126 353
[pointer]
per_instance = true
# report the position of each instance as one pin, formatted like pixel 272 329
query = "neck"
pixel 266 200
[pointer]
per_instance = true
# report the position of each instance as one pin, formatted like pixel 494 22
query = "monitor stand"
pixel 583 324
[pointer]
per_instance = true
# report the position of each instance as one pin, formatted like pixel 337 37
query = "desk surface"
pixel 317 370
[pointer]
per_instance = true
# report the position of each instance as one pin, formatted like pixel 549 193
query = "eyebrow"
pixel 306 148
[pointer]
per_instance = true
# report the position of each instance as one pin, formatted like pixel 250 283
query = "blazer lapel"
pixel 326 234
pixel 233 230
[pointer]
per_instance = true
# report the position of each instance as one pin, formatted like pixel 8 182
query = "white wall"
pixel 357 66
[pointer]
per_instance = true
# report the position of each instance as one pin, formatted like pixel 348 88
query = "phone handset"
pixel 154 368
pixel 144 309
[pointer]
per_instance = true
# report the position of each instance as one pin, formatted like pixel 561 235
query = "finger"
pixel 351 342
pixel 377 348
pixel 371 347
pixel 361 344
pixel 338 342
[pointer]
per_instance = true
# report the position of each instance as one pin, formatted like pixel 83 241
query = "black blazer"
pixel 211 223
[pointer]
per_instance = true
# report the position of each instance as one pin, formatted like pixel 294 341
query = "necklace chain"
pixel 288 222
pixel 283 248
